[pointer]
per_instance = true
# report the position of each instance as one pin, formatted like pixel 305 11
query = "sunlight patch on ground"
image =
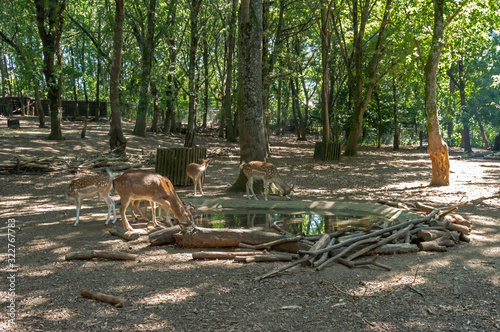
pixel 174 296
pixel 34 273
pixel 391 284
pixel 59 314
pixel 41 244
pixel 492 252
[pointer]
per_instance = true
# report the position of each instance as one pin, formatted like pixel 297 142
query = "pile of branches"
pixel 434 231
pixel 430 233
pixel 75 164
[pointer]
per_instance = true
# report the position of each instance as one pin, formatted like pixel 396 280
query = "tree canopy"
pixel 350 68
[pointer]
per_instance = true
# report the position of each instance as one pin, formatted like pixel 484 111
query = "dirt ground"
pixel 457 290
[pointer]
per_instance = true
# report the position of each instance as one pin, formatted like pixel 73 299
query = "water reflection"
pixel 300 223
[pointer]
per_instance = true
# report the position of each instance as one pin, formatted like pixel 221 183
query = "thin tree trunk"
pixel 193 50
pixel 117 139
pixel 437 148
pixel 50 22
pixel 395 143
pixel 229 124
pixel 147 45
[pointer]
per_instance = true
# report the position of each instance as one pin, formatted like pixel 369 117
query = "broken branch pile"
pixel 430 233
pixel 72 162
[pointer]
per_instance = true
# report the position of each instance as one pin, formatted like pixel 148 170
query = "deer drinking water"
pixel 89 186
pixel 149 186
pixel 195 172
pixel 259 170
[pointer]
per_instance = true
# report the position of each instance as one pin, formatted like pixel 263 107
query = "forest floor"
pixel 457 290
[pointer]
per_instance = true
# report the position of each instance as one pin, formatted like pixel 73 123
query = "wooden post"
pixel 172 163
pixel 13 123
pixel 327 151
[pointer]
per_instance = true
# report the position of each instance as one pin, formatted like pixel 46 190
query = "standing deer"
pixel 259 170
pixel 195 172
pixel 89 186
pixel 149 186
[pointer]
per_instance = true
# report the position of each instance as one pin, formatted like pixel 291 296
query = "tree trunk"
pixel 50 22
pixel 229 124
pixel 483 135
pixel 251 124
pixel 325 84
pixel 362 93
pixel 117 139
pixel 147 45
pixel 39 107
pixel 395 144
pixel 156 108
pixel 171 91
pixel 437 148
pixel 195 38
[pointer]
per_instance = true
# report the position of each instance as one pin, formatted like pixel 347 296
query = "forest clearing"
pixel 164 288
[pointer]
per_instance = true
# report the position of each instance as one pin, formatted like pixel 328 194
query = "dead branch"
pixel 90 254
pixel 117 301
pixel 224 254
pixel 269 245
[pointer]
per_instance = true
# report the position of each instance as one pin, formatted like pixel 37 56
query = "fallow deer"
pixel 144 185
pixel 195 172
pixel 89 186
pixel 259 170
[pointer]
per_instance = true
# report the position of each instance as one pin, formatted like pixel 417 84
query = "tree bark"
pixel 193 50
pixel 437 148
pixel 50 22
pixel 117 139
pixel 251 124
pixel 146 41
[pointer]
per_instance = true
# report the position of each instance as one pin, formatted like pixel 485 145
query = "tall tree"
pixel 251 124
pixel 193 50
pixel 146 39
pixel 117 139
pixel 50 23
pixel 364 76
pixel 437 148
pixel 228 83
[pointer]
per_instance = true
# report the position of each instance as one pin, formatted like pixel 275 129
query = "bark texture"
pixel 437 148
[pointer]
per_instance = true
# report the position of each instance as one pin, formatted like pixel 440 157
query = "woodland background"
pixel 329 67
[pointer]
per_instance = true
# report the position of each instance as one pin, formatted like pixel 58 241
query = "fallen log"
pixel 394 248
pixel 458 228
pixel 439 244
pixel 125 234
pixel 224 254
pixel 117 301
pixel 265 258
pixel 90 254
pixel 164 236
pixel 200 237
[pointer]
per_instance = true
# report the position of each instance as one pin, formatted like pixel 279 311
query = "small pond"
pixel 294 223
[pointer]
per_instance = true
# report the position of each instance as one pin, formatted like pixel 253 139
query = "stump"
pixel 327 151
pixel 13 123
pixel 172 163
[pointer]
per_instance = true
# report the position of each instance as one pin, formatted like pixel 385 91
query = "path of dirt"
pixel 454 291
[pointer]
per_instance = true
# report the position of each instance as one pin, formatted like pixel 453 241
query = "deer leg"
pixel 78 206
pixel 201 189
pixel 266 189
pixel 111 205
pixel 251 189
pixel 123 208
